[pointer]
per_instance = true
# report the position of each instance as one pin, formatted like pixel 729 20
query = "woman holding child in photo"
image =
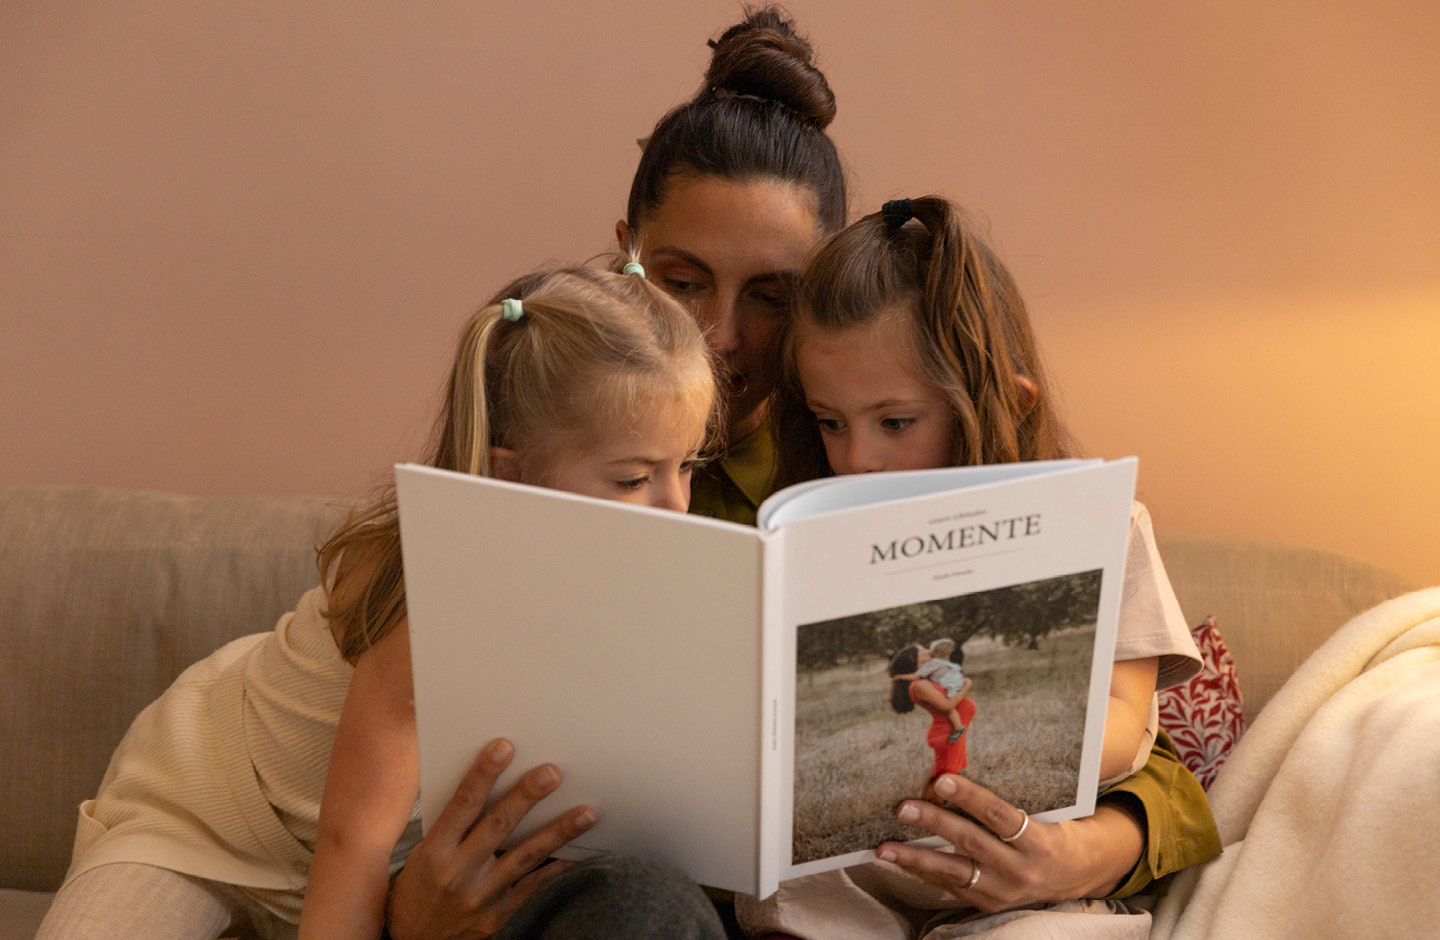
pixel 922 675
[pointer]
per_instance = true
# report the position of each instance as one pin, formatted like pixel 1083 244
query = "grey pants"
pixel 615 897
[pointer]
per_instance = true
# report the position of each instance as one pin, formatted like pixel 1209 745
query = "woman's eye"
pixel 896 424
pixel 829 425
pixel 634 483
pixel 680 285
pixel 774 301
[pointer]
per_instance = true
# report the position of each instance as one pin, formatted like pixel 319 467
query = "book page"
pixel 830 494
pixel 1024 578
pixel 618 642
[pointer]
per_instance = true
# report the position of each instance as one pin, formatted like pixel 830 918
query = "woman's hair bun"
pixel 763 57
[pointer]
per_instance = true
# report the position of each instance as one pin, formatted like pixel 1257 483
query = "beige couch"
pixel 106 595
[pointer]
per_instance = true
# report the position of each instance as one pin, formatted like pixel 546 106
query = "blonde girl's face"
pixel 644 460
pixel 873 409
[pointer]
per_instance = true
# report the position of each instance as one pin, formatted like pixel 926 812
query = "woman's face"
pixel 734 252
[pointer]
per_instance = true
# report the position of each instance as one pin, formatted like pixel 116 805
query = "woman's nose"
pixel 717 316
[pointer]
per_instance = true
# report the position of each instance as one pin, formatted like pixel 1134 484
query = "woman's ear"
pixel 1029 393
pixel 622 236
pixel 505 464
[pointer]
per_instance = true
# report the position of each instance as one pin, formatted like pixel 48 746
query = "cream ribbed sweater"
pixel 221 776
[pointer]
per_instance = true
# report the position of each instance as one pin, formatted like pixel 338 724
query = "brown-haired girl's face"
pixel 734 252
pixel 874 409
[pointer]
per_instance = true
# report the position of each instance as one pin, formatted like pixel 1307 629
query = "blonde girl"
pixel 210 817
pixel 912 348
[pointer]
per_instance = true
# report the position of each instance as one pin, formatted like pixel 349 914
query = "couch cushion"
pixel 1205 716
pixel 105 596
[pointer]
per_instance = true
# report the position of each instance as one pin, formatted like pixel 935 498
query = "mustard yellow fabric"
pixel 733 487
pixel 1180 828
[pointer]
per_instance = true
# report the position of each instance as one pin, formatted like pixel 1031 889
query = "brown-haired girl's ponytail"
pixel 971 330
pixel 958 324
pixel 761 114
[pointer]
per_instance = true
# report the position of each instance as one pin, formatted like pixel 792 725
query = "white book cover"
pixel 720 693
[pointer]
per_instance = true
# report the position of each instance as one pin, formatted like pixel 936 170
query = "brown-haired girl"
pixel 912 348
pixel 210 816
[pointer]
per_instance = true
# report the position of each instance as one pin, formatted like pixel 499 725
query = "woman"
pixel 734 189
pixel 908 690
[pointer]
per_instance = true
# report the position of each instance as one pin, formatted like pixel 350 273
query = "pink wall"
pixel 236 239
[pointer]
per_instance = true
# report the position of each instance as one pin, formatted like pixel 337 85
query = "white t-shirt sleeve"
pixel 1151 623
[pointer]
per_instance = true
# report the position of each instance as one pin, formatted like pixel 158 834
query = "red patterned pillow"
pixel 1205 716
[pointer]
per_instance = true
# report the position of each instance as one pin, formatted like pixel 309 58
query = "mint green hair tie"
pixel 633 267
pixel 511 310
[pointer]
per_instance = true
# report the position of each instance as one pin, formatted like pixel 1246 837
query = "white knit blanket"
pixel 1328 807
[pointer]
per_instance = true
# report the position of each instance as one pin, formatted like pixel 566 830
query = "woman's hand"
pixel 1047 861
pixel 453 885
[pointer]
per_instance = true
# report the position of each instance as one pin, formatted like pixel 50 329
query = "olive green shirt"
pixel 734 486
pixel 1180 830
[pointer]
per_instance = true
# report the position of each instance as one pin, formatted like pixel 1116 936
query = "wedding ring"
pixel 974 874
pixel 1024 824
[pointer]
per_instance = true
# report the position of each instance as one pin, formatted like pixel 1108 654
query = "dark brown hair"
pixel 905 661
pixel 761 113
pixel 971 332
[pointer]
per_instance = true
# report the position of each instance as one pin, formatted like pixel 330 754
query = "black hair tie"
pixel 896 212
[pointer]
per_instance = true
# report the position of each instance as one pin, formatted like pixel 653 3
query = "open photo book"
pixel 726 697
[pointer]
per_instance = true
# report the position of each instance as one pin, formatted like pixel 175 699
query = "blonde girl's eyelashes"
pixel 632 484
pixel 896 424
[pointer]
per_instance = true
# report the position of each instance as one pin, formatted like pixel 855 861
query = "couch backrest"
pixel 1273 603
pixel 105 597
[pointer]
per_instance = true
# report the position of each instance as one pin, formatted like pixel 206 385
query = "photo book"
pixel 750 704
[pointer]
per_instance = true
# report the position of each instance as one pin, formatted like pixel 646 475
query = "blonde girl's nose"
pixel 672 493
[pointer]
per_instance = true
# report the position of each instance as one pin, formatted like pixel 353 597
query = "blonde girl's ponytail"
pixel 547 354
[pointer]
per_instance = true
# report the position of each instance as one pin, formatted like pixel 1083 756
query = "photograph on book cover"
pixel 991 684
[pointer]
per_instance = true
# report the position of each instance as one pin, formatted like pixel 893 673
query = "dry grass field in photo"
pixel 856 758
